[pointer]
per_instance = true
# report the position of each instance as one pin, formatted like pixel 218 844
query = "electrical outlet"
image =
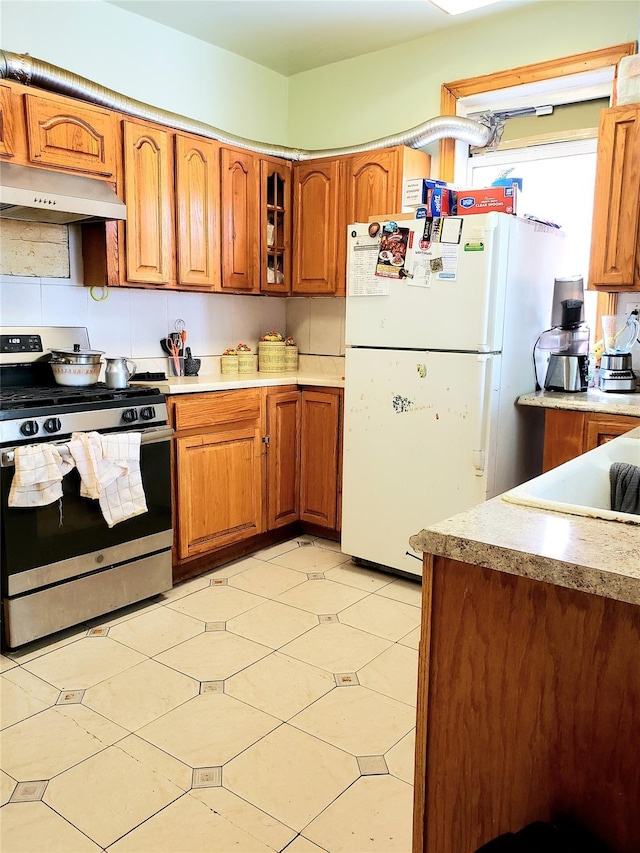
pixel 632 306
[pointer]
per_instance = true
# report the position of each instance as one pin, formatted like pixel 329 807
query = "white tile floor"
pixel 266 706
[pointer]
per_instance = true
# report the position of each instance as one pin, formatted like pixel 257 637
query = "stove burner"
pixel 25 397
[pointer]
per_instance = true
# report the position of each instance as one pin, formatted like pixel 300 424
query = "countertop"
pixel 587 554
pixel 592 400
pixel 229 382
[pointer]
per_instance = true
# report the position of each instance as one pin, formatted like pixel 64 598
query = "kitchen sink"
pixel 581 486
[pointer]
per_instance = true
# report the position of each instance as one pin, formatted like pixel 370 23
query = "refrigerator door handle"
pixel 478 454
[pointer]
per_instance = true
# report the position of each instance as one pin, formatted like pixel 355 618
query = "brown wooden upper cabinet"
pixel 240 200
pixel 7 122
pixel 615 246
pixel 148 193
pixel 71 135
pixel 197 211
pixel 329 194
pixel 275 226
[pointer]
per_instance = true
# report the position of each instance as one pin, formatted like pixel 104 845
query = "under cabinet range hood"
pixel 42 195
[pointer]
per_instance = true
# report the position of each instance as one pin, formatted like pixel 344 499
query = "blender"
pixel 619 334
pixel 568 339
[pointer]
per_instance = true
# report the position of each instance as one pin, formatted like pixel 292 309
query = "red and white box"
pixel 500 199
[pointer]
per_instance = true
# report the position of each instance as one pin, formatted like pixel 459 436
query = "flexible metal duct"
pixel 31 71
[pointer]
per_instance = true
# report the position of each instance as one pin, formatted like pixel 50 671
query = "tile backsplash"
pixel 130 322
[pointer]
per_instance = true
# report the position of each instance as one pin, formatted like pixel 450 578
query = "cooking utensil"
pixel 75 374
pixel 117 372
pixel 174 346
pixel 75 366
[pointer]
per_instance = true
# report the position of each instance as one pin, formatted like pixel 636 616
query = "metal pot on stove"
pixel 79 367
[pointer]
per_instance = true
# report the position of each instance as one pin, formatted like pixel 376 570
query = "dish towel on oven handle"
pixel 37 480
pixel 109 468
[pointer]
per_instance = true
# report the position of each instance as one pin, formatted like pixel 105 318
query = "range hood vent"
pixel 41 195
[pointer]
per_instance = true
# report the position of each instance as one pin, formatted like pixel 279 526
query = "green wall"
pixel 393 90
pixel 150 62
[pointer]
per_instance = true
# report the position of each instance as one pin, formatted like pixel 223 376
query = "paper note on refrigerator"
pixel 362 277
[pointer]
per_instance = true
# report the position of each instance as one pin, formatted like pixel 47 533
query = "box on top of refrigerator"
pixel 487 200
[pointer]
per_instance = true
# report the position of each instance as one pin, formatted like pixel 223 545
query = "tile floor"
pixel 266 706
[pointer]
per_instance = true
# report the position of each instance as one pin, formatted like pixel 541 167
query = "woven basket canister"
pixel 246 362
pixel 291 358
pixel 228 364
pixel 271 356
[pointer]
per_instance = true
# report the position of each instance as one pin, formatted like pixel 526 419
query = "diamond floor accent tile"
pixel 97 632
pixel 29 792
pixel 219 582
pixel 346 679
pixel 212 687
pixel 372 765
pixel 215 626
pixel 315 576
pixel 207 777
pixel 330 618
pixel 70 697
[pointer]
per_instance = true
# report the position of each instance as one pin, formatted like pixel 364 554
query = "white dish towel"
pixel 109 468
pixel 38 476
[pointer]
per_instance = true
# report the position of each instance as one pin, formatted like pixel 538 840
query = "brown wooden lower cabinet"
pixel 528 708
pixel 568 433
pixel 251 461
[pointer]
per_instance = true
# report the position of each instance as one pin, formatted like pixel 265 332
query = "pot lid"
pixel 77 350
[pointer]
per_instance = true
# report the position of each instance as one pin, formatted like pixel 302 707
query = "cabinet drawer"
pixel 203 411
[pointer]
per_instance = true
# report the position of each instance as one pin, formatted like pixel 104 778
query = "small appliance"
pixel 619 333
pixel 567 340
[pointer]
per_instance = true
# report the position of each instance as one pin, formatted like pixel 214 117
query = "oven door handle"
pixel 152 435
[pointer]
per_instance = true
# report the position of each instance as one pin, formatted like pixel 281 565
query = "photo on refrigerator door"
pixel 393 252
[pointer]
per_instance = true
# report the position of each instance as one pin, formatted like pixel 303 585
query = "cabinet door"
pixel 7 121
pixel 315 223
pixel 564 437
pixel 602 428
pixel 283 457
pixel 219 494
pixel 148 186
pixel 275 196
pixel 71 135
pixel 370 186
pixel 616 208
pixel 240 187
pixel 320 456
pixel 197 184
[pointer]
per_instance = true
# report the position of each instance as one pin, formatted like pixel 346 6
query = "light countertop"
pixel 576 551
pixel 592 400
pixel 229 382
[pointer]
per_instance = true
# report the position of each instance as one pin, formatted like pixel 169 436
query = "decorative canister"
pixel 228 364
pixel 291 358
pixel 246 362
pixel 271 356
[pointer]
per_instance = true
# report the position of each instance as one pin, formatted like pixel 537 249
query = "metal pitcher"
pixel 118 373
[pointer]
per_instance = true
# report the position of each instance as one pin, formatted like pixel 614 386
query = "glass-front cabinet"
pixel 276 226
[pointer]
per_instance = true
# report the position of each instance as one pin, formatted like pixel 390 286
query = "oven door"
pixel 49 545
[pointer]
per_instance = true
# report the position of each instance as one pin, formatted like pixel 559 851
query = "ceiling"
pixel 290 36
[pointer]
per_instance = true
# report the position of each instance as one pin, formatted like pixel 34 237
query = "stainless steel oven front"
pixel 62 564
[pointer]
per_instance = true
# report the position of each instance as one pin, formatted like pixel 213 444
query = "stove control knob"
pixel 29 428
pixel 147 413
pixel 52 425
pixel 130 415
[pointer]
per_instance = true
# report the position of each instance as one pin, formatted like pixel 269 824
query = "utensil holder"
pixel 176 366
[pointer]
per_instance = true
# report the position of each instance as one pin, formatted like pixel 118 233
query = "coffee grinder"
pixel 567 341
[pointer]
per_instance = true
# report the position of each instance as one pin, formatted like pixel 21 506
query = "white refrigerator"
pixel 440 330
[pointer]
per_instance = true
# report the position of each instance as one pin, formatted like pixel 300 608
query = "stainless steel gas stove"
pixel 61 562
